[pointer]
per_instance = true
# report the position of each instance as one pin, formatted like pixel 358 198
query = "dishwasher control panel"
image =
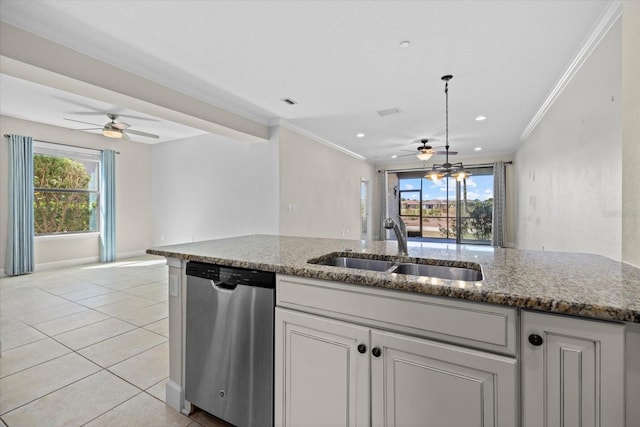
pixel 231 275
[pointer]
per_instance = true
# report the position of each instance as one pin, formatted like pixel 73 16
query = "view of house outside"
pixel 429 209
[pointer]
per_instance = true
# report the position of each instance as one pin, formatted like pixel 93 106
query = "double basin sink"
pixel 444 270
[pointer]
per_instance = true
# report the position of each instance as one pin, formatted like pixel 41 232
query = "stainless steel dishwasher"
pixel 229 343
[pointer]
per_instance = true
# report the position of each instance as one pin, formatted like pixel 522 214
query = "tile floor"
pixel 88 346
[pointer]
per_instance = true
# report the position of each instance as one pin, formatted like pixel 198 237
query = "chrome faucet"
pixel 401 233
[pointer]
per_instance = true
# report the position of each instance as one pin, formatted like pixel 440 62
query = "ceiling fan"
pixel 426 151
pixel 114 129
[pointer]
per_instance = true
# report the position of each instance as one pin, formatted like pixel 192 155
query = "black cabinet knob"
pixel 535 339
pixel 376 352
pixel 362 348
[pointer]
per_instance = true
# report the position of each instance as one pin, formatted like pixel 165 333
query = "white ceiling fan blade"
pixel 125 136
pixel 86 123
pixel 139 133
pixel 86 129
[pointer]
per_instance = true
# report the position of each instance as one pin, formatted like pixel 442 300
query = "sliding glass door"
pixel 447 210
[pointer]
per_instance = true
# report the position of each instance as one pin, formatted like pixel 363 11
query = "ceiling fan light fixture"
pixel 112 133
pixel 424 156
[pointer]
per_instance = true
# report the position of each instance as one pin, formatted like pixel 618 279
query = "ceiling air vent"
pixel 289 101
pixel 389 112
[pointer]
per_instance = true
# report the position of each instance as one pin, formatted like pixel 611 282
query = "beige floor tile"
pixel 148 288
pixel 76 287
pixel 9 323
pixel 160 327
pixel 46 282
pixel 160 296
pixel 123 284
pixel 145 369
pixel 75 404
pixel 87 293
pixel 29 355
pixel 159 390
pixel 125 306
pixel 47 314
pixel 19 336
pixel 30 303
pixel 105 299
pixel 94 333
pixel 68 323
pixel 117 349
pixel 35 382
pixel 147 315
pixel 141 410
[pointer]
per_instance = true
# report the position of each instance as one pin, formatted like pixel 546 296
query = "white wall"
pixel 631 135
pixel 568 171
pixel 133 196
pixel 209 187
pixel 319 188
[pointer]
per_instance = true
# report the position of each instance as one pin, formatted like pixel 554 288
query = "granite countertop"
pixel 577 284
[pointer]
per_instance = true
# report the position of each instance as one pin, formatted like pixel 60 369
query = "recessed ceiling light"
pixel 478 149
pixel 405 43
pixel 360 135
pixel 394 157
pixel 481 118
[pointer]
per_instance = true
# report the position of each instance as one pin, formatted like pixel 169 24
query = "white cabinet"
pixel 321 379
pixel 417 382
pixel 335 373
pixel 572 372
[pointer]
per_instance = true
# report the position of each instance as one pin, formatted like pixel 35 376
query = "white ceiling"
pixel 340 60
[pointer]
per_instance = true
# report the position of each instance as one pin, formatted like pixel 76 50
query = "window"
pixel 66 189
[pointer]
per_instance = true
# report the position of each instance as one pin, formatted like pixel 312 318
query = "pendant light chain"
pixel 446 95
pixel 447 169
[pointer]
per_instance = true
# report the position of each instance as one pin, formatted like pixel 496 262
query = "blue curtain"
pixel 20 225
pixel 108 206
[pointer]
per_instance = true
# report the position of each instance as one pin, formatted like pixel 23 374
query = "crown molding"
pixel 285 124
pixel 608 18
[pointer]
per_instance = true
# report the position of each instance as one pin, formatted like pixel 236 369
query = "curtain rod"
pixel 6 135
pixel 466 166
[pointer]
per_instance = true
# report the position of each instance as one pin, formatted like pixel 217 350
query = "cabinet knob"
pixel 362 348
pixel 376 352
pixel 535 339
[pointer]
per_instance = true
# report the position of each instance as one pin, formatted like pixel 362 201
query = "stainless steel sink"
pixel 363 264
pixel 450 273
pixel 403 267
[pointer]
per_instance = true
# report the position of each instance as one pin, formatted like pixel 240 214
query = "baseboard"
pixel 78 261
pixel 174 397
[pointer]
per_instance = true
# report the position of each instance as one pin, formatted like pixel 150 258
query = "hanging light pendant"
pixel 446 169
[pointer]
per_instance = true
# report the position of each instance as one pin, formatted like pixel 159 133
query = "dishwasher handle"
pixel 224 286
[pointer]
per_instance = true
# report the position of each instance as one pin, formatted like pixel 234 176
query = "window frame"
pixel 77 154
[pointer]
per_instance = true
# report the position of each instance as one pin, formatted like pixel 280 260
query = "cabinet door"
pixel 321 379
pixel 574 375
pixel 416 382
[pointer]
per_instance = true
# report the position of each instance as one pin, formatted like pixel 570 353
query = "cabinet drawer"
pixel 477 325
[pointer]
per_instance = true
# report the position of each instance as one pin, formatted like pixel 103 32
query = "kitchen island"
pixel 518 285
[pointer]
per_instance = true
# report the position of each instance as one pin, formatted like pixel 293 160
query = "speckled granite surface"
pixel 578 284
